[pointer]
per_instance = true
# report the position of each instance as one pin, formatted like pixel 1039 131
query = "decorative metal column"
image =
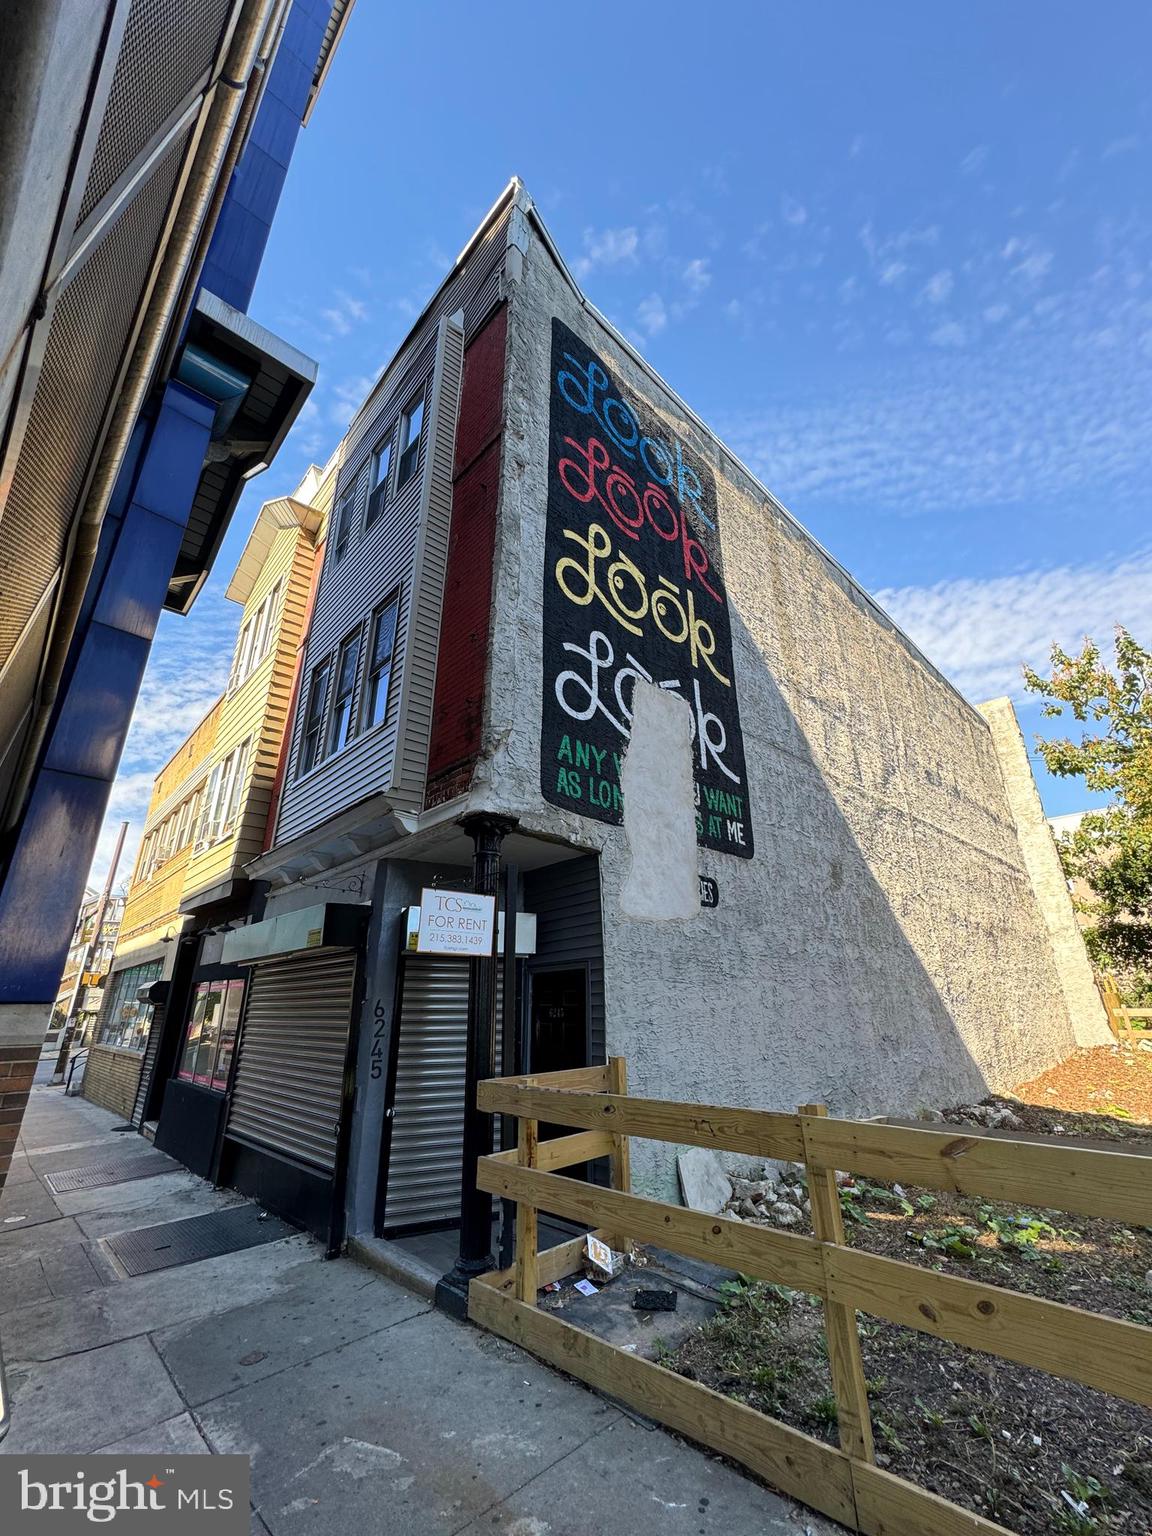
pixel 475 1256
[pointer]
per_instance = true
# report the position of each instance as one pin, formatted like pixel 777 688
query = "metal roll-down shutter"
pixel 427 1108
pixel 288 1090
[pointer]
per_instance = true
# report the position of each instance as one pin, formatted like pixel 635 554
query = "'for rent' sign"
pixel 455 923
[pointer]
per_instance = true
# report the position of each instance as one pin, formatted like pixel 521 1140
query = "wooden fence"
pixel 845 1483
pixel 1132 1024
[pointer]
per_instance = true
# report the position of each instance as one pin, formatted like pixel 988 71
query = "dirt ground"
pixel 1028 1450
pixel 1114 1081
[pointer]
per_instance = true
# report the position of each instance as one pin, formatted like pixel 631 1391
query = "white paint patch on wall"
pixel 659 809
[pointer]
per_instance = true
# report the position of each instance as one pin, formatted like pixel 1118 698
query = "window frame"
pixel 408 459
pixel 310 728
pixel 342 522
pixel 378 485
pixel 352 641
pixel 372 671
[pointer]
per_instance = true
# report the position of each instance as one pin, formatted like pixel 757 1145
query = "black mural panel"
pixel 633 587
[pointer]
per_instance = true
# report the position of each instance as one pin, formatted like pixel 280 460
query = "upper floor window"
pixel 256 637
pixel 411 425
pixel 383 644
pixel 222 797
pixel 342 526
pixel 340 729
pixel 240 662
pixel 314 715
pixel 380 471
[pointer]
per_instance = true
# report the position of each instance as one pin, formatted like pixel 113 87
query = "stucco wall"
pixel 882 949
pixel 1038 846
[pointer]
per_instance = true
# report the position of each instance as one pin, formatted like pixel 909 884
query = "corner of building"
pixel 1042 862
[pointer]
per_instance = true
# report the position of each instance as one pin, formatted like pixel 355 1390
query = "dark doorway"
pixel 558 1026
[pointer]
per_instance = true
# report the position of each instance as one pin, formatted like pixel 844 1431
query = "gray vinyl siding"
pixel 402 553
pixel 566 900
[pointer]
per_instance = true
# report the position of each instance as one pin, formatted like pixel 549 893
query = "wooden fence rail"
pixel 1103 1352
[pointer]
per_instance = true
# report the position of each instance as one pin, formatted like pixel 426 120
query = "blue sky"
pixel 899 256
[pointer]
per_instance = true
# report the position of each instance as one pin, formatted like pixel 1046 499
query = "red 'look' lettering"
pixel 631 509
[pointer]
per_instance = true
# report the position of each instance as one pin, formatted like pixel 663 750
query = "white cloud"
pixel 994 313
pixel 187 672
pixel 696 275
pixel 651 314
pixel 891 273
pixel 938 287
pixel 607 248
pixel 980 633
pixel 974 161
pixel 1123 146
pixel 793 212
pixel 950 334
pixel 1021 419
pixel 343 313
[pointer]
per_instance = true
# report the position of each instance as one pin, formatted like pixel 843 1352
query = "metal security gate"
pixel 426 1094
pixel 288 1093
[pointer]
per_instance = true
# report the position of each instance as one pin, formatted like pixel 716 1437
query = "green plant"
pixel 1023 1232
pixel 932 1417
pixel 957 1241
pixel 1110 850
pixel 1084 1489
pixel 824 1409
pixel 888 1434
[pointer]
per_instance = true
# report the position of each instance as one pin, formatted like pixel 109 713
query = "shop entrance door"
pixel 558 1026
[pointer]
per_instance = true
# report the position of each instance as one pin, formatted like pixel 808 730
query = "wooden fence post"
pixel 621 1154
pixel 853 1415
pixel 527 1238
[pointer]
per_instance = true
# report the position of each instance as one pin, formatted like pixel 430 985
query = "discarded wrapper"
pixel 604 1259
pixel 586 1288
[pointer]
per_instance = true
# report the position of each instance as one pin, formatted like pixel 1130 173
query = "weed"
pixel 958 1242
pixel 888 1434
pixel 824 1409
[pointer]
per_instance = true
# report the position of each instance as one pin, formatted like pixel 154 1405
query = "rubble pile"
pixel 771 1199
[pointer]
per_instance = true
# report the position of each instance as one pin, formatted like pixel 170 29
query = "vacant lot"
pixel 1029 1450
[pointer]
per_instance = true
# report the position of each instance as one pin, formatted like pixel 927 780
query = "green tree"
pixel 1111 850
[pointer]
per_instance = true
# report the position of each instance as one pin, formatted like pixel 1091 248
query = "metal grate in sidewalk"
pixel 148 1249
pixel 118 1170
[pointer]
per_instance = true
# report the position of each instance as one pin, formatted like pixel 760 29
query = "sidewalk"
pixel 360 1406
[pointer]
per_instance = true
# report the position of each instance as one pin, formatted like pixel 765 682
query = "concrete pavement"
pixel 359 1405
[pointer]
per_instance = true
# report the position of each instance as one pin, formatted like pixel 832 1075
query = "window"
pixel 340 730
pixel 380 662
pixel 342 530
pixel 266 616
pixel 210 1039
pixel 240 660
pixel 124 1022
pixel 255 638
pixel 205 832
pixel 222 797
pixel 410 425
pixel 314 716
pixel 378 476
pixel 232 784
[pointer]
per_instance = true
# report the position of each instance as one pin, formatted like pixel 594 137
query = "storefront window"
pixel 126 1021
pixel 211 1036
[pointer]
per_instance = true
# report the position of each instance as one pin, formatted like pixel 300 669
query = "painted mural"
pixel 633 588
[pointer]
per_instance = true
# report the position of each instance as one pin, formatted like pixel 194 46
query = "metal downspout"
pixel 228 95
